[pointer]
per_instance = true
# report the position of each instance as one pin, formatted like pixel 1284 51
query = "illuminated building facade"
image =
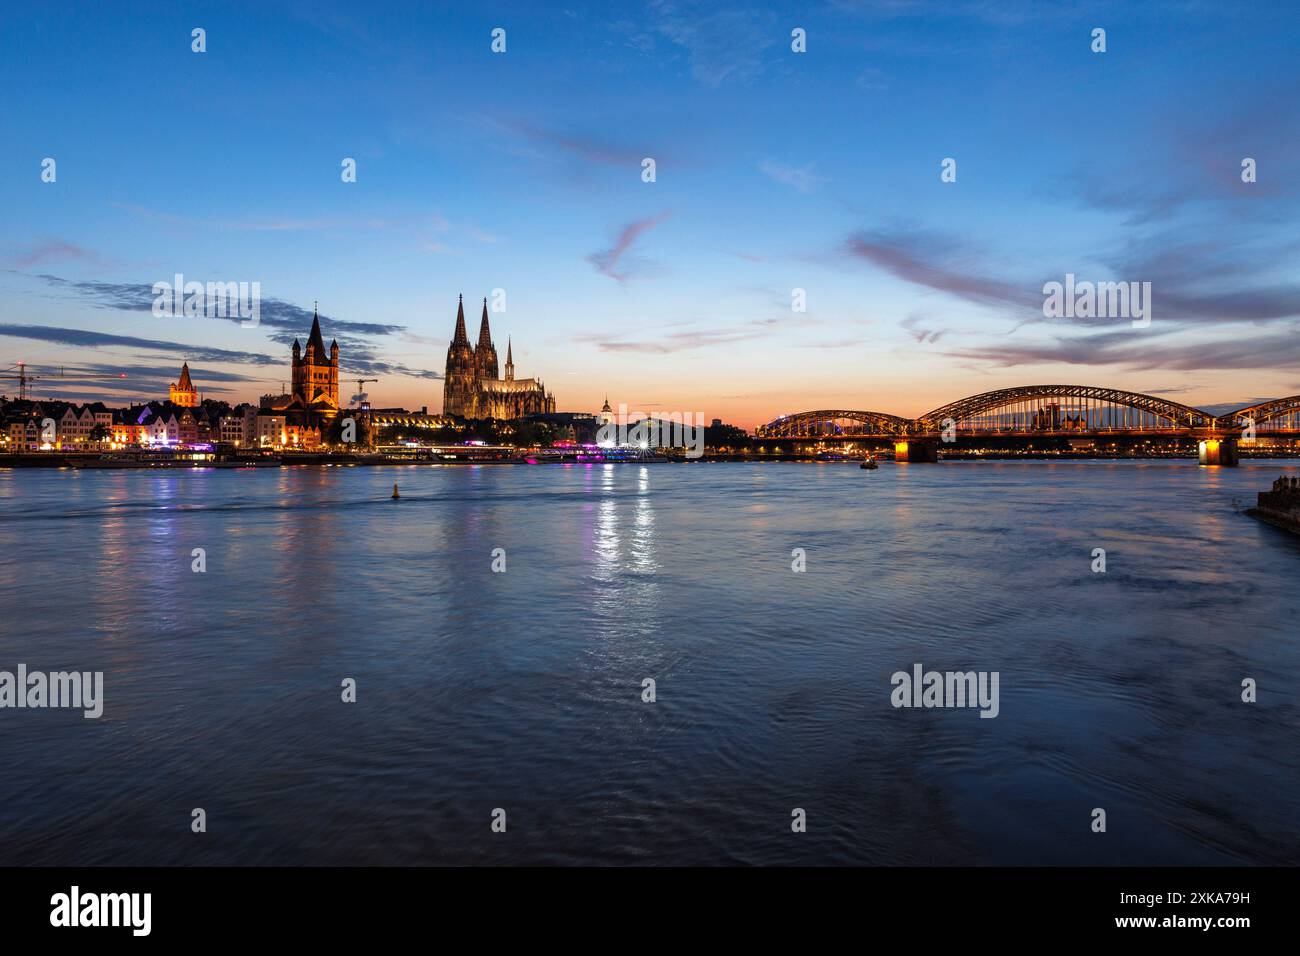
pixel 472 388
pixel 316 372
pixel 183 393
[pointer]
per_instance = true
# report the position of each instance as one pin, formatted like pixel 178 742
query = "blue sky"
pixel 775 170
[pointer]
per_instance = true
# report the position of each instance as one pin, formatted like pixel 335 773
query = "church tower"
pixel 458 385
pixel 182 393
pixel 510 362
pixel 316 371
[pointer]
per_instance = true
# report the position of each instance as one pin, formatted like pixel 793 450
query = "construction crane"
pixel 360 396
pixel 19 373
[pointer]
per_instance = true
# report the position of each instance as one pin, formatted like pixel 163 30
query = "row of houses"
pixel 27 426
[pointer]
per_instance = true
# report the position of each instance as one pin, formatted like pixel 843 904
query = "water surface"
pixel 522 690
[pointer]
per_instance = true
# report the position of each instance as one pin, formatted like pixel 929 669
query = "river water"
pixel 522 690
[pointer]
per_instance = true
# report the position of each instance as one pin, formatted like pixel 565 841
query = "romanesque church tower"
pixel 315 371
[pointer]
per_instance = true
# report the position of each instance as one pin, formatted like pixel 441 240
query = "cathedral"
pixel 472 388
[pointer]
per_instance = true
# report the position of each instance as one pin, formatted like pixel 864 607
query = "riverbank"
pixel 336 459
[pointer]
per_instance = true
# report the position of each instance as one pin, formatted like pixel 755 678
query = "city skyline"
pixel 775 171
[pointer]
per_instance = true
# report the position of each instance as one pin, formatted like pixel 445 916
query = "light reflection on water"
pixel 523 690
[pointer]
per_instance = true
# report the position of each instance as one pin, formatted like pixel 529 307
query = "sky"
pixel 775 171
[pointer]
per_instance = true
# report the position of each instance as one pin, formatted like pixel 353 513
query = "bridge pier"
pixel 1218 452
pixel 916 450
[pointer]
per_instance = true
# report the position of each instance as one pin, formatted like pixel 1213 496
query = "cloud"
pixel 914 328
pixel 85 338
pixel 590 149
pixel 607 262
pixel 721 43
pixel 138 380
pixel 276 313
pixel 799 178
pixel 1127 350
pixel 1196 282
pixel 55 250
pixel 924 260
pixel 1219 279
pixel 680 341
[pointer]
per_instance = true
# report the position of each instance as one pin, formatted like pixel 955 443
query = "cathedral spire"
pixel 510 361
pixel 460 338
pixel 484 333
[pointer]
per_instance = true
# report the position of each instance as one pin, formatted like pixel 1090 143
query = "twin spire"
pixel 460 338
pixel 484 331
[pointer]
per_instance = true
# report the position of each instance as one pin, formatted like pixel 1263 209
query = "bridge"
pixel 1030 412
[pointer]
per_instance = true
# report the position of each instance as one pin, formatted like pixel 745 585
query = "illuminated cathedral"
pixel 472 387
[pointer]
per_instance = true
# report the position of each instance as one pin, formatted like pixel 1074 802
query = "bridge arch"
pixel 837 422
pixel 1281 414
pixel 1064 408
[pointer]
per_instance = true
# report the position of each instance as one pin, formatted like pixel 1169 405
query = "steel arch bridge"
pixel 1035 410
pixel 1279 415
pixel 1063 408
pixel 837 423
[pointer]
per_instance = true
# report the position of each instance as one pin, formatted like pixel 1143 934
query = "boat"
pixel 262 462
pixel 121 460
pixel 869 463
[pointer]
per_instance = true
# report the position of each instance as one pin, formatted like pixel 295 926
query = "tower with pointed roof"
pixel 316 369
pixel 485 353
pixel 183 393
pixel 458 382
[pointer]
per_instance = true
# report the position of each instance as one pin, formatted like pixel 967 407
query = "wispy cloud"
pixel 584 146
pixel 609 262
pixel 918 327
pixel 925 260
pixel 84 338
pixel 1204 281
pixel 680 341
pixel 1127 350
pixel 721 43
pixel 275 313
pixel 800 178
pixel 55 250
